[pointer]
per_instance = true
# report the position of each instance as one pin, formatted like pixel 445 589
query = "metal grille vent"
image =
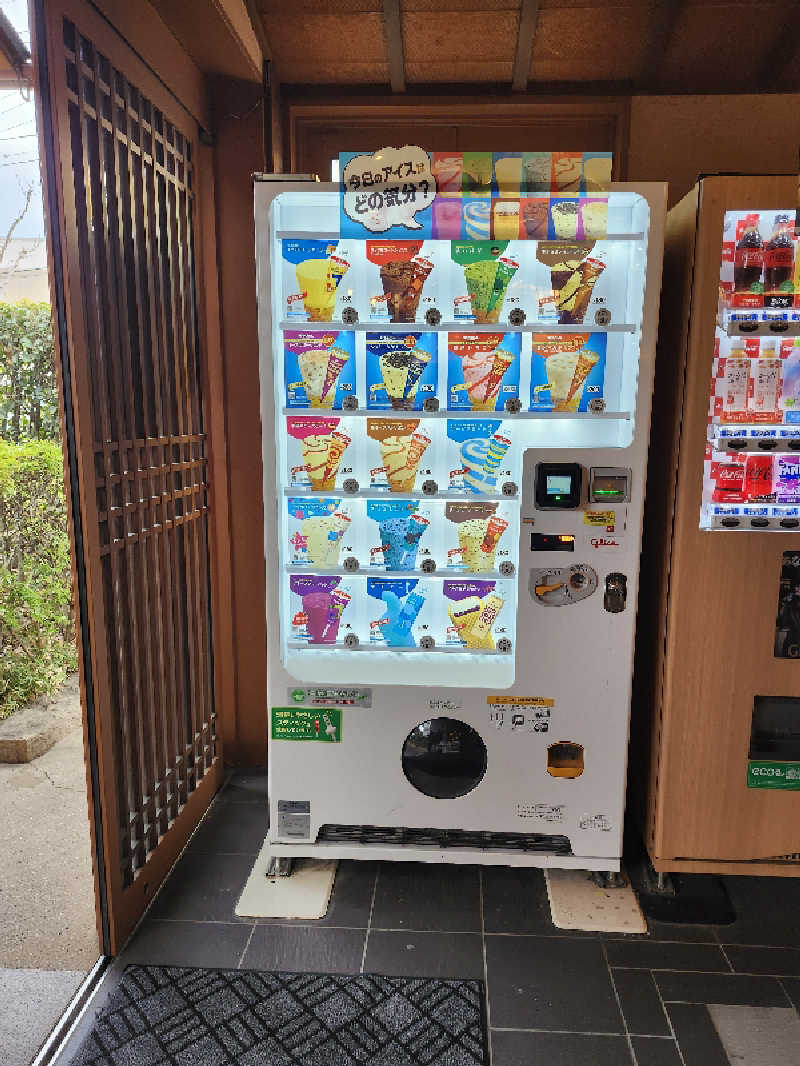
pixel 402 836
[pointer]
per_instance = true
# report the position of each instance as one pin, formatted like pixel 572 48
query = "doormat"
pixel 576 902
pixel 304 895
pixel 160 1015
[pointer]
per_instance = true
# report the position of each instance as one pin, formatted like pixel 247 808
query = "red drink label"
pixel 758 476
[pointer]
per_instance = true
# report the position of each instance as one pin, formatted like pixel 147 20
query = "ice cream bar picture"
pixel 319 367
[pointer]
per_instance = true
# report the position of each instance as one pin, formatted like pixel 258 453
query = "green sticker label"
pixel 781 775
pixel 299 723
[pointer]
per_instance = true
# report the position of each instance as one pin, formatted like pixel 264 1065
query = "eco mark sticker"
pixel 778 775
pixel 299 723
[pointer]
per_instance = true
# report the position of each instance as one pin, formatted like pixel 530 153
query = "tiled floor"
pixel 554 999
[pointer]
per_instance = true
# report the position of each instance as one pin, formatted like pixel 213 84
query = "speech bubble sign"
pixel 388 188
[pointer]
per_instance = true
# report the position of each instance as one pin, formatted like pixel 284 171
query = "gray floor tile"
pixel 696 1035
pixel 203 888
pixel 758 1036
pixel 31 1002
pixel 550 983
pixel 670 931
pixel 515 901
pixel 425 954
pixel 784 962
pixel 427 897
pixel 791 986
pixel 305 949
pixel 652 1051
pixel 558 1049
pixel 232 827
pixel 640 1002
pixel 655 955
pixel 351 898
pixel 768 911
pixel 211 944
pixel 246 786
pixel 720 988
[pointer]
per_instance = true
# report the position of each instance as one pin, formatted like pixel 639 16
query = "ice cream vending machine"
pixel 719 654
pixel 455 427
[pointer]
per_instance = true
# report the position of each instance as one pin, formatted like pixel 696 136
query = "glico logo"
pixel 604 542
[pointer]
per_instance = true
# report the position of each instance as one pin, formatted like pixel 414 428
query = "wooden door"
pixel 124 192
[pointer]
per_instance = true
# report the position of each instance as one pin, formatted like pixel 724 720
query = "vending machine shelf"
pixel 775 439
pixel 387 494
pixel 443 574
pixel 779 323
pixel 537 416
pixel 541 325
pixel 331 235
pixel 383 649
pixel 749 517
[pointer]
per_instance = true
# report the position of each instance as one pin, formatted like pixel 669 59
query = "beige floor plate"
pixel 305 894
pixel 577 903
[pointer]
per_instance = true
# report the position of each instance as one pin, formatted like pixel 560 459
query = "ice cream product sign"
pixel 401 607
pixel 384 192
pixel 312 275
pixel 474 608
pixel 482 370
pixel 322 445
pixel 403 270
pixel 401 370
pixel 567 370
pixel 319 368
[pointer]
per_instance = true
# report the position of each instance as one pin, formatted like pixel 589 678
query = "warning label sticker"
pixel 606 519
pixel 545 812
pixel 595 821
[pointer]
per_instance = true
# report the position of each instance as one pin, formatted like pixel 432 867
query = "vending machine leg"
pixel 279 866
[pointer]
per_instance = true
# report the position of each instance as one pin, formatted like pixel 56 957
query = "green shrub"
pixel 28 391
pixel 37 646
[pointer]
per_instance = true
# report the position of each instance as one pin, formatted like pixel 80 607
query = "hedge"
pixel 37 640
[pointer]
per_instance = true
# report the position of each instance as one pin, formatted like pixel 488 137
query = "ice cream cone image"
pixel 316 449
pixel 585 364
pixel 416 449
pixel 480 279
pixel 477 366
pixel 318 280
pixel 464 616
pixel 337 358
pixel 394 454
pixel 394 370
pixel 471 535
pixel 313 365
pixel 416 367
pixel 501 361
pixel 560 371
pixel 336 449
pixel 323 534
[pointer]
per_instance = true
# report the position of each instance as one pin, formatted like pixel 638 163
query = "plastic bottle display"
pixel 779 264
pixel 748 265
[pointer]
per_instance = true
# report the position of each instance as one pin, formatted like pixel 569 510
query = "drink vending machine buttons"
pixel 759 523
pixel 767 445
pixel 789 523
pixel 729 523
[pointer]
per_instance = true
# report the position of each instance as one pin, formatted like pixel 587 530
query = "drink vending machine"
pixel 720 602
pixel 454 441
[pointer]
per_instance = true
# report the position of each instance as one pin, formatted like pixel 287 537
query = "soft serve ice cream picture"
pixel 567 370
pixel 402 445
pixel 483 370
pixel 313 273
pixel 320 368
pixel 321 444
pixel 489 269
pixel 479 529
pixel 396 288
pixel 401 370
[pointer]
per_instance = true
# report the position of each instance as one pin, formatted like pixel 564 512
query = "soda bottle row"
pixel 756 379
pixel 465 371
pixel 480 281
pixel 760 266
pixel 396 613
pixel 330 532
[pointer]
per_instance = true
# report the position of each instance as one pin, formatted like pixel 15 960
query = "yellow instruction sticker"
pixel 600 518
pixel 520 701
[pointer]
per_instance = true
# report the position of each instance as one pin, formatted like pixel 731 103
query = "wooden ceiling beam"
pixel 528 16
pixel 664 21
pixel 782 57
pixel 393 33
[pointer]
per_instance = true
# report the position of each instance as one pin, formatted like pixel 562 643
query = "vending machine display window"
pixel 752 466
